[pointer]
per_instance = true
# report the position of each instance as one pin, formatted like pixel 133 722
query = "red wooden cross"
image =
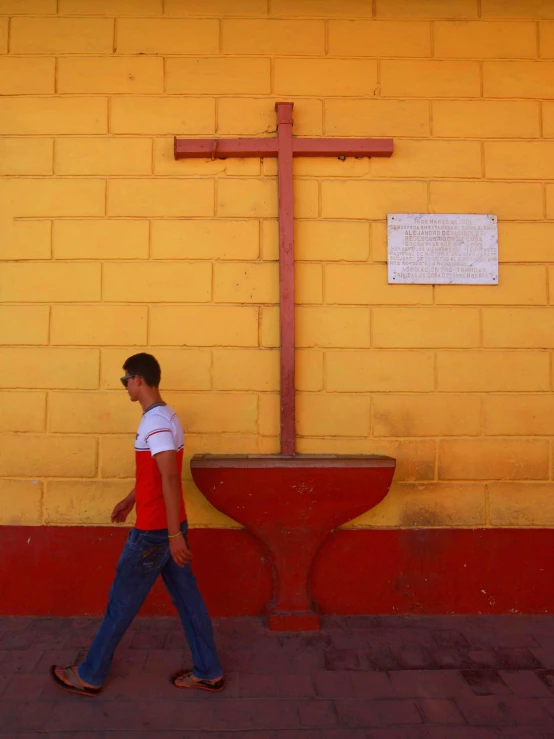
pixel 284 147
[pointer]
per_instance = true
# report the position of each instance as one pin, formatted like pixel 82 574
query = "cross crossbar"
pixel 221 148
pixel 285 148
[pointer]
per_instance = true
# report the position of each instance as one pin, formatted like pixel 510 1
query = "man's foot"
pixel 68 679
pixel 185 679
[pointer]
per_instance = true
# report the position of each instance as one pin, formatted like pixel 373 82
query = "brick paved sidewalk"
pixel 359 678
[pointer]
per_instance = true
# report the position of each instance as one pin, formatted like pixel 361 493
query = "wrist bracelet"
pixel 172 536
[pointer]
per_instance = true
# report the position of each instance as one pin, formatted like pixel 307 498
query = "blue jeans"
pixel 145 555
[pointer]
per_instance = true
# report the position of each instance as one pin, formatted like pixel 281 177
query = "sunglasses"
pixel 125 380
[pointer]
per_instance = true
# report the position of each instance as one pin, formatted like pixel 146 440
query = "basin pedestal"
pixel 292 503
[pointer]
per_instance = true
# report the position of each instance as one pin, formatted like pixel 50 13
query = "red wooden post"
pixel 286 276
pixel 284 147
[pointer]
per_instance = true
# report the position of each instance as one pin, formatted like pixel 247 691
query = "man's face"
pixel 133 387
pixel 132 384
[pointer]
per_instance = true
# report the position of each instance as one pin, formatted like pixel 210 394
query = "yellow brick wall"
pixel 109 246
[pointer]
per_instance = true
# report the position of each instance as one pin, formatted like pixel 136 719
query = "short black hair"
pixel 146 366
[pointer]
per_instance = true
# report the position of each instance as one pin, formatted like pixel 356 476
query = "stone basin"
pixel 292 503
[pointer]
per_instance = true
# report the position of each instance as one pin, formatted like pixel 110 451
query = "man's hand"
pixel 179 551
pixel 123 508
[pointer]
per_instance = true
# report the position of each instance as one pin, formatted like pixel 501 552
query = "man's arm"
pixel 123 508
pixel 171 487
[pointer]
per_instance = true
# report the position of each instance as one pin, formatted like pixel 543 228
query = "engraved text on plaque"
pixel 442 249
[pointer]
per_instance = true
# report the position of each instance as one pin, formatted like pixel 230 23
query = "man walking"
pixel 156 545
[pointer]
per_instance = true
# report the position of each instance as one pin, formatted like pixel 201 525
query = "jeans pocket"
pixel 152 557
pixel 133 538
pixel 128 550
pixel 151 552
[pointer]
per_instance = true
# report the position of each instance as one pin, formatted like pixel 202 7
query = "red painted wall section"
pixel 66 571
pixel 62 571
pixel 436 571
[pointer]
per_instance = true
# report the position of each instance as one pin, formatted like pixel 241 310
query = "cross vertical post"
pixel 286 276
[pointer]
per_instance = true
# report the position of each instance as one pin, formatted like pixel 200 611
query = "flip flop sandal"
pixel 76 685
pixel 211 687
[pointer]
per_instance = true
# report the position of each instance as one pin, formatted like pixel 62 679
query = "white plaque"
pixel 442 249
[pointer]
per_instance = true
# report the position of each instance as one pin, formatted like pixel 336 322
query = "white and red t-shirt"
pixel 159 431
